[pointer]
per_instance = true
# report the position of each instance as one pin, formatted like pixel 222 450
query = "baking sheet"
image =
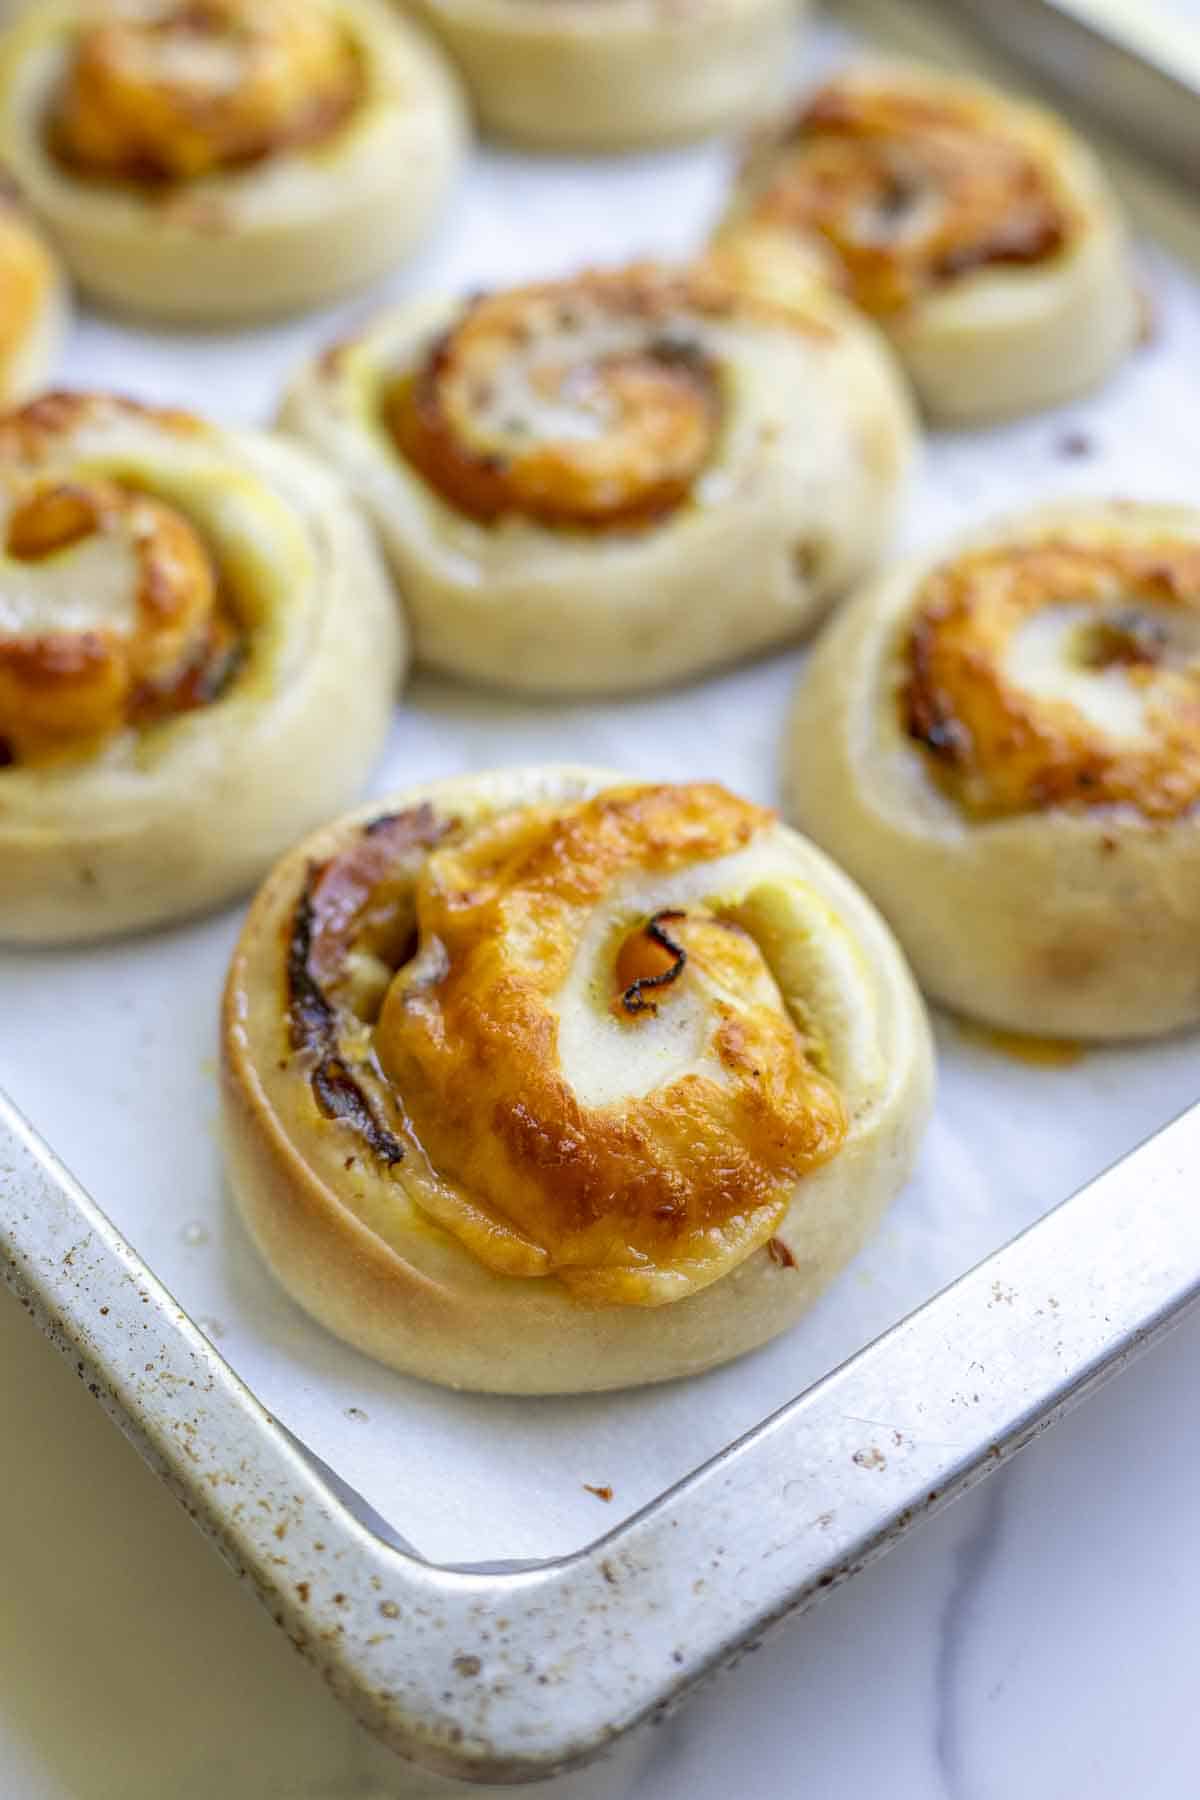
pixel 111 1051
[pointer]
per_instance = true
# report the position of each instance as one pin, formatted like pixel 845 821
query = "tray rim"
pixel 518 1676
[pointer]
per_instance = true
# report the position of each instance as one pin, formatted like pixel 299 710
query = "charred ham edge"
pixel 331 899
pixel 345 884
pixel 339 1096
pixel 310 1016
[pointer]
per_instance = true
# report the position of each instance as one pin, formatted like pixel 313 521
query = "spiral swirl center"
pixel 590 403
pixel 110 615
pixel 171 90
pixel 904 191
pixel 1060 674
pixel 634 1162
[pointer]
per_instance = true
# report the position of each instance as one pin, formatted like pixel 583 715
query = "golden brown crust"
pixel 684 1179
pixel 586 402
pixel 190 87
pixel 596 348
pixel 1000 750
pixel 976 229
pixel 1024 898
pixel 548 534
pixel 459 1246
pixel 455 1057
pixel 36 430
pixel 183 611
pixel 236 157
pixel 63 690
pixel 907 189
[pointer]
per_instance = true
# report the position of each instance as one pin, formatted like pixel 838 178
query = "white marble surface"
pixel 1039 1639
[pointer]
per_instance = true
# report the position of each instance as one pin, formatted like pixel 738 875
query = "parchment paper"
pixel 111 1051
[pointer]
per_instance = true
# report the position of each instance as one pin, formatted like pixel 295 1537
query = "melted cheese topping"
pixel 109 610
pixel 1061 674
pixel 638 1159
pixel 590 403
pixel 170 90
pixel 894 190
pixel 635 1151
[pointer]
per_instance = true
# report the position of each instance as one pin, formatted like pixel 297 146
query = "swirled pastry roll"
pixel 569 74
pixel 33 305
pixel 198 652
pixel 615 481
pixel 978 231
pixel 231 158
pixel 1003 746
pixel 542 1081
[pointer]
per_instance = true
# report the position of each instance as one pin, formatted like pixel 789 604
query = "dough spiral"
pixel 227 159
pixel 1003 746
pixel 977 230
pixel 198 652
pixel 525 1073
pixel 614 481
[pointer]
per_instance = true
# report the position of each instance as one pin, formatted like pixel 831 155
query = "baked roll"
pixel 628 73
pixel 609 483
pixel 976 230
pixel 198 653
pixel 541 1081
pixel 235 158
pixel 33 305
pixel 1003 746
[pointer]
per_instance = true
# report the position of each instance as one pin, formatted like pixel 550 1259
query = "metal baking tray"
pixel 1133 63
pixel 315 1472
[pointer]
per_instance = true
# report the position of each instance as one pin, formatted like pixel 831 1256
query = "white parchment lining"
pixel 112 1051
